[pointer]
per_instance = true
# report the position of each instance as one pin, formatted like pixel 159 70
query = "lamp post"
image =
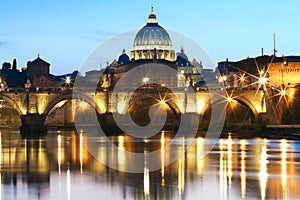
pixel 68 83
pixel 282 71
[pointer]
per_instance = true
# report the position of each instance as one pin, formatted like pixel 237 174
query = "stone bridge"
pixel 34 106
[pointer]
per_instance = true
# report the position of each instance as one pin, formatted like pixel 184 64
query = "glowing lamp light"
pixel 68 80
pixel 262 80
pixel 145 80
pixel 283 92
pixel 162 102
pixel 224 78
pixel 229 99
pixel 242 78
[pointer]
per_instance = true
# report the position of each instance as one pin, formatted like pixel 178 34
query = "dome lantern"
pixel 152 17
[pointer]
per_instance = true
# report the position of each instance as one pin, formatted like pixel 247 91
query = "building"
pixel 285 70
pixel 153 44
pixel 11 77
pixel 38 72
pixel 223 66
pixel 279 71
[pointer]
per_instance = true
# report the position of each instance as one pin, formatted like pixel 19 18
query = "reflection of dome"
pixel 150 37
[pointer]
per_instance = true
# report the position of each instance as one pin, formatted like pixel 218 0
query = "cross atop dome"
pixel 152 17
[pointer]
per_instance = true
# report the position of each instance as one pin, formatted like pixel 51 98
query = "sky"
pixel 65 32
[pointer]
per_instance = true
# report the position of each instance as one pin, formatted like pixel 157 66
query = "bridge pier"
pixel 33 125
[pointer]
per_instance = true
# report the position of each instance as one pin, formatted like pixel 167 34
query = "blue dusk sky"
pixel 65 32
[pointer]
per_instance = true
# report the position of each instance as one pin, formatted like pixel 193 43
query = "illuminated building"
pixel 153 44
pixel 285 70
pixel 38 72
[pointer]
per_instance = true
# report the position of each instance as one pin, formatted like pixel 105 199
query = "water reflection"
pixel 68 184
pixel 0 165
pixel 59 153
pixel 263 170
pixel 146 179
pixel 81 152
pixel 243 168
pixel 223 172
pixel 229 159
pixel 162 142
pixel 283 148
pixel 121 153
pixel 181 171
pixel 60 167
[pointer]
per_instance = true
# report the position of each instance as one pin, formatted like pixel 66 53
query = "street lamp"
pixel 145 80
pixel 283 92
pixel 229 99
pixel 262 80
pixel 68 80
pixel 282 71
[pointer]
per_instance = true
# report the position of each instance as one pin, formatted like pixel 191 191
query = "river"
pixel 61 166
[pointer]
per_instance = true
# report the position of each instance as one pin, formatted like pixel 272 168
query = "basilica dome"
pixel 152 37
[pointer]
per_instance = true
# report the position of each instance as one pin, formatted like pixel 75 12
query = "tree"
pixel 14 66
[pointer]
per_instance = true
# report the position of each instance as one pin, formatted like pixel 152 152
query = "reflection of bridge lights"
pixel 59 153
pixel 284 149
pixel 229 159
pixel 263 172
pixel 68 184
pixel 81 151
pixel 243 174
pixel 145 80
pixel 162 143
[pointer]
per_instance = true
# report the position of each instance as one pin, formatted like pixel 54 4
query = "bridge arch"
pixel 205 113
pixel 13 103
pixel 83 98
pixel 242 100
pixel 143 101
pixel 11 111
pixel 64 97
